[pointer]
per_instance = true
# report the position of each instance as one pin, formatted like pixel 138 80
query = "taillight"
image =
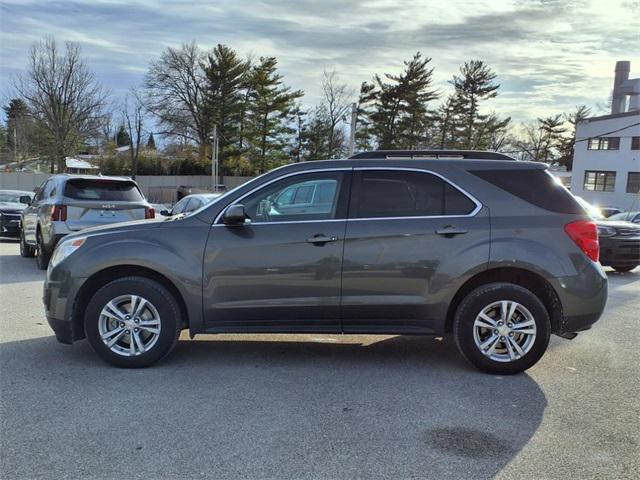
pixel 585 234
pixel 59 213
pixel 149 212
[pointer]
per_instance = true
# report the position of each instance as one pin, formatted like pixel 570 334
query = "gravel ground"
pixel 314 406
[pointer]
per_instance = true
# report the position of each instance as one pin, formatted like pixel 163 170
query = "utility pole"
pixel 15 148
pixel 214 158
pixel 352 133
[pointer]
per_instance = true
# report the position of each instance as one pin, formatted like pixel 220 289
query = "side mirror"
pixel 165 213
pixel 25 199
pixel 234 215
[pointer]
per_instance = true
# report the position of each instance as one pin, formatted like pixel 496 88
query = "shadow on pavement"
pixel 22 269
pixel 265 407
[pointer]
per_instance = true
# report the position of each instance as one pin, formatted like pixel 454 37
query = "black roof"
pixel 433 154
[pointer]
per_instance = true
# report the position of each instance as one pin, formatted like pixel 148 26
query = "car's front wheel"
pixel 502 328
pixel 132 322
pixel 26 250
pixel 42 253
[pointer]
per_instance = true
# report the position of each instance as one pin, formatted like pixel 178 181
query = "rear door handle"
pixel 450 231
pixel 321 239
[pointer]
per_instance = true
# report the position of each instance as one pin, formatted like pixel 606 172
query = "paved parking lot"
pixel 314 406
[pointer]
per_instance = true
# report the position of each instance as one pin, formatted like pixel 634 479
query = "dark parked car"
pixel 619 239
pixel 68 203
pixel 12 203
pixel 633 217
pixel 190 203
pixel 474 244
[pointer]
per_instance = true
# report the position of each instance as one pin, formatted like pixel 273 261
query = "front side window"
pixel 180 206
pixel 312 196
pixel 633 182
pixel 399 193
pixel 604 143
pixel 599 181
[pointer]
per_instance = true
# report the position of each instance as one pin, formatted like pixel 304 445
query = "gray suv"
pixel 473 244
pixel 68 203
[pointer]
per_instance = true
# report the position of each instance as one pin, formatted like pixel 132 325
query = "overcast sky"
pixel 550 55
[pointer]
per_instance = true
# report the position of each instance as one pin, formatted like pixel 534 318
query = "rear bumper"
pixel 620 251
pixel 583 298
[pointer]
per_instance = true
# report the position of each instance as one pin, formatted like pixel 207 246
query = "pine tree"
pixel 122 137
pixel 226 76
pixel 151 143
pixel 401 117
pixel 364 140
pixel 474 85
pixel 552 130
pixel 567 143
pixel 270 109
pixel 20 127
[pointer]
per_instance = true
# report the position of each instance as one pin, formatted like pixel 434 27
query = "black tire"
pixel 475 302
pixel 625 268
pixel 163 301
pixel 26 250
pixel 42 253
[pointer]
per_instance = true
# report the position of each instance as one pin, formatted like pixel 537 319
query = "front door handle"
pixel 450 231
pixel 321 239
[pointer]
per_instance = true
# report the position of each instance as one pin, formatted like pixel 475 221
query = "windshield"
pixel 11 197
pixel 592 211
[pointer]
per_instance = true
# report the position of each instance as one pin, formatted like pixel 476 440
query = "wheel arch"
pixel 532 281
pixel 102 277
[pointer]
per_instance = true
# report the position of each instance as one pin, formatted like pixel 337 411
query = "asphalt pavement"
pixel 314 406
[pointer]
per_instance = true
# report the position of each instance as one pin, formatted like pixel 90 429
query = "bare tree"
pixel 133 118
pixel 175 94
pixel 62 95
pixel 337 103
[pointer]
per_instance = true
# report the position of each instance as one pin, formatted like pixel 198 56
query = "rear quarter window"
pixel 102 190
pixel 534 186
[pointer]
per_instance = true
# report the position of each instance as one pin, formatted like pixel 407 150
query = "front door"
pixel 410 235
pixel 281 270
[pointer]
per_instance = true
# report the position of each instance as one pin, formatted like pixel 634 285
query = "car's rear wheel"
pixel 132 322
pixel 43 255
pixel 26 250
pixel 502 328
pixel 625 268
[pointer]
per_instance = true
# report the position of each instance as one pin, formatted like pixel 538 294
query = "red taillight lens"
pixel 585 234
pixel 59 213
pixel 149 213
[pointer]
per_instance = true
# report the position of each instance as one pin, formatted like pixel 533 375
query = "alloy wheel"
pixel 504 331
pixel 129 325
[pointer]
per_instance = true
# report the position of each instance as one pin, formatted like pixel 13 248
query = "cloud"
pixel 549 54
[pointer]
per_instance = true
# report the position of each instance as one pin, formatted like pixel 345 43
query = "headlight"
pixel 66 248
pixel 606 231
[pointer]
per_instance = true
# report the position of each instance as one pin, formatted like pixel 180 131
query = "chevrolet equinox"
pixel 490 250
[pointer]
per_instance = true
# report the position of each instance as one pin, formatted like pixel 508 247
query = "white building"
pixel 606 160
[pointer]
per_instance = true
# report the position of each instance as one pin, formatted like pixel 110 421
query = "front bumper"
pixel 58 298
pixel 9 225
pixel 620 251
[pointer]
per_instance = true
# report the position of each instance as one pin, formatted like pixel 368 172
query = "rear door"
pixel 92 202
pixel 410 235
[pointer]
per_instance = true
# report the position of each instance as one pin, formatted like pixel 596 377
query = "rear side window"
pixel 535 186
pixel 399 193
pixel 84 189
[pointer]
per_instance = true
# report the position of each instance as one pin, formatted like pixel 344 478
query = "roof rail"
pixel 432 154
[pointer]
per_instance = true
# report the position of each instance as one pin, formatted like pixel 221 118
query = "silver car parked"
pixel 68 203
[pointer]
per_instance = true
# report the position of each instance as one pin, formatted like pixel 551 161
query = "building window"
pixel 604 143
pixel 633 181
pixel 635 143
pixel 599 181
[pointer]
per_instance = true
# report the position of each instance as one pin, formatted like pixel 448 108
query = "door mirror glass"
pixel 165 213
pixel 234 215
pixel 26 199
